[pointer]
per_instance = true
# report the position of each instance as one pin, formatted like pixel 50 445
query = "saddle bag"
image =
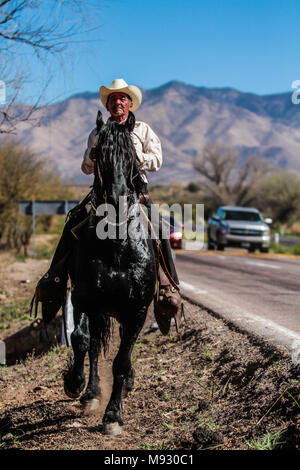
pixel 51 291
pixel 167 302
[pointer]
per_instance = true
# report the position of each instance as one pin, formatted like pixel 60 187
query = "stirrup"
pixel 168 305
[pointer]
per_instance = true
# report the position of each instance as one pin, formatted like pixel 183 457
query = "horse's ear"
pixel 99 121
pixel 130 123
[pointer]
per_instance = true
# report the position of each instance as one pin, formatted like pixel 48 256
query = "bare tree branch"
pixel 224 178
pixel 25 27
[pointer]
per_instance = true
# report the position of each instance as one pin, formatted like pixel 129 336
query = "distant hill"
pixel 185 117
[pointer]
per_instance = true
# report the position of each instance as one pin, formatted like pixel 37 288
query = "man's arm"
pixel 151 155
pixel 88 162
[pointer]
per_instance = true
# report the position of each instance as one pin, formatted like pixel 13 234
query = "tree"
pixel 224 178
pixel 23 177
pixel 45 29
pixel 278 195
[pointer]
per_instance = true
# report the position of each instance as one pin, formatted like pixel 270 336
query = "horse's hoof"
pixel 91 405
pixel 72 395
pixel 112 429
pixel 73 386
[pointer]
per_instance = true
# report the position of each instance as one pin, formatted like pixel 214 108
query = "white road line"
pixel 190 287
pixel 269 327
pixel 265 265
pixel 269 324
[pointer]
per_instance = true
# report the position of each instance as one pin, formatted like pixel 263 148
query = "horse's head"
pixel 116 168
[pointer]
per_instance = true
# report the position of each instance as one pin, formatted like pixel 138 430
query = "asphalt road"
pixel 260 293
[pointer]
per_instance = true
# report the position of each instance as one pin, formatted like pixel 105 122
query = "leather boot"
pixel 167 304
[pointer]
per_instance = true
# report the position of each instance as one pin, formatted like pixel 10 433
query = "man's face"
pixel 119 105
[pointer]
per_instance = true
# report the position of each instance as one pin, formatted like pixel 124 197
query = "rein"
pixel 101 182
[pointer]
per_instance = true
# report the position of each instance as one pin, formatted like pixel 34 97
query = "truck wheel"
pixel 220 246
pixel 251 249
pixel 210 243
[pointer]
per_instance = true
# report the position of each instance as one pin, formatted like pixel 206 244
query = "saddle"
pixel 51 289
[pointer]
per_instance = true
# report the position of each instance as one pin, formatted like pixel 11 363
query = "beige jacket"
pixel 147 146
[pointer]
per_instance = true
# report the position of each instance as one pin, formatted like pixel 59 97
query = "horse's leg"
pixel 129 380
pixel 92 394
pixel 122 373
pixel 74 379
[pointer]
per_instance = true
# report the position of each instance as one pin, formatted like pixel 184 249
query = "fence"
pixel 35 208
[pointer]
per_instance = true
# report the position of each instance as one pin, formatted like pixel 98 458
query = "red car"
pixel 175 232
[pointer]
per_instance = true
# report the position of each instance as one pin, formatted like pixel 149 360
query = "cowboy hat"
pixel 120 86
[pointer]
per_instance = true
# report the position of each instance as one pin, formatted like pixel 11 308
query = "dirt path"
pixel 213 387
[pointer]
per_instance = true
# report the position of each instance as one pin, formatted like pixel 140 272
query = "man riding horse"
pixel 121 100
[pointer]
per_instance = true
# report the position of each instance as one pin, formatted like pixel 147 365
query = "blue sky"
pixel 250 45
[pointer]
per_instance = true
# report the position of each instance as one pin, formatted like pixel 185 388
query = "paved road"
pixel 258 292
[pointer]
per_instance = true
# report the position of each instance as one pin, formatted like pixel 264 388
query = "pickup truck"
pixel 238 227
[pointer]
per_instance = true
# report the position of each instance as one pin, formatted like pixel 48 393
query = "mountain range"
pixel 185 118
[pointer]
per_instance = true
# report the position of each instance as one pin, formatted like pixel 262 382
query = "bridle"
pixel 104 195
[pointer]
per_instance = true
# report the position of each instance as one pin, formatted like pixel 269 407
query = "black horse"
pixel 110 277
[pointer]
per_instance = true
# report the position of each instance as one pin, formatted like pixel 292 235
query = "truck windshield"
pixel 241 215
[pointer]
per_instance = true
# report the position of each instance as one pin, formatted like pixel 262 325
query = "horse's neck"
pixel 128 200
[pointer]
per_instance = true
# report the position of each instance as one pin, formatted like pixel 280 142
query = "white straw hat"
pixel 120 86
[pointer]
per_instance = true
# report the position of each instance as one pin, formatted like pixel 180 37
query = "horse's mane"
pixel 115 147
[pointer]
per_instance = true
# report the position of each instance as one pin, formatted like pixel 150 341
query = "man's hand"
pixel 144 198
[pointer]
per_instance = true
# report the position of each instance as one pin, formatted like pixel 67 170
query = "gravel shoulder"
pixel 212 387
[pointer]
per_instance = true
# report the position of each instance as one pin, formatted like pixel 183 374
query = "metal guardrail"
pixel 289 241
pixel 2 353
pixel 285 240
pixel 46 207
pixel 35 208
